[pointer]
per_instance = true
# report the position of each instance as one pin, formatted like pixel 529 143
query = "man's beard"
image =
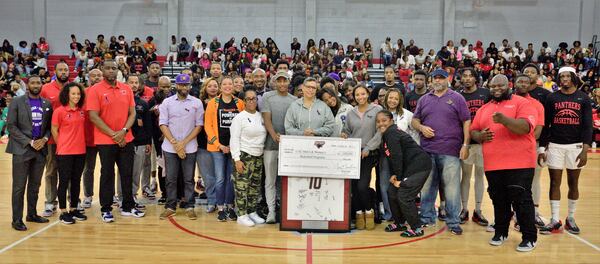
pixel 35 92
pixel 504 96
pixel 438 87
pixel 182 93
pixel 63 79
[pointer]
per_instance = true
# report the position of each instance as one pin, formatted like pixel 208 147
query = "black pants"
pixel 512 187
pixel 162 182
pixel 70 168
pixel 361 194
pixel 123 157
pixel 402 199
pixel 174 167
pixel 27 172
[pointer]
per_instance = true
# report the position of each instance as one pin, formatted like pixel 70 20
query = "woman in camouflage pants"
pixel 248 135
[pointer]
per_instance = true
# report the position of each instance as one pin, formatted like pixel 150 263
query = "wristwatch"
pixel 125 129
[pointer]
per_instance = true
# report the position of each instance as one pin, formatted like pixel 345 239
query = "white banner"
pixel 319 157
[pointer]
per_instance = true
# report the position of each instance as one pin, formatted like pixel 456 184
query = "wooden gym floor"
pixel 150 240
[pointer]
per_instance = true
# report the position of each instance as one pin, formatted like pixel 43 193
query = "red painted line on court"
pixel 309 248
pixel 184 229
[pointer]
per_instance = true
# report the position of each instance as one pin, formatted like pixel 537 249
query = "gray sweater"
pixel 364 128
pixel 318 117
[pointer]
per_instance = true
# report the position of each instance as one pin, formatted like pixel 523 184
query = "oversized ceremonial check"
pixel 319 157
pixel 316 175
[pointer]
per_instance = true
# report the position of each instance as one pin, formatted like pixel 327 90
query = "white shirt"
pixel 463 49
pixel 410 60
pixel 420 59
pixel 197 44
pixel 404 123
pixel 470 54
pixel 201 51
pixel 248 134
pixel 386 49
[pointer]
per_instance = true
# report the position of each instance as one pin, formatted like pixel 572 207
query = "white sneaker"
pixel 245 221
pixel 48 210
pixel 256 218
pixel 271 217
pixel 134 212
pixel 87 202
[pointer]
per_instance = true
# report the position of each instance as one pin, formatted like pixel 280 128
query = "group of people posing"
pixel 420 142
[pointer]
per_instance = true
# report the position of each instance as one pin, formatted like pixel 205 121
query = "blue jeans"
pixel 384 184
pixel 446 169
pixel 224 185
pixel 387 59
pixel 207 170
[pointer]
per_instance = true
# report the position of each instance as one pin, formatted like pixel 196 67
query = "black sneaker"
pixel 231 215
pixel 222 216
pixel 479 219
pixel 571 226
pixel 441 214
pixel 526 246
pixel 498 240
pixel 539 222
pixel 412 233
pixel 457 230
pixel 66 218
pixel 162 200
pixel 36 219
pixel 77 215
pixel 551 228
pixel 464 216
pixel 395 228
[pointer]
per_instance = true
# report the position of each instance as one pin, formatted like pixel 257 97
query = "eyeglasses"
pixel 251 99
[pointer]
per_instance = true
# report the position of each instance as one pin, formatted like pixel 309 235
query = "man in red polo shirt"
pixel 50 92
pixel 94 77
pixel 505 129
pixel 522 89
pixel 112 110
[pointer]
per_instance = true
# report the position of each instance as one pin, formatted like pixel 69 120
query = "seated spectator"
pixel 184 49
pixel 7 51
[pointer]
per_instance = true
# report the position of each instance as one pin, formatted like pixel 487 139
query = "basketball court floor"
pixel 179 240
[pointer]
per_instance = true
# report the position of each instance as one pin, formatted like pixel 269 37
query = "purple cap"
pixel 334 76
pixel 183 79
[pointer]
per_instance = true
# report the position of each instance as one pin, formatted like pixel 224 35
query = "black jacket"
pixel 141 129
pixel 405 156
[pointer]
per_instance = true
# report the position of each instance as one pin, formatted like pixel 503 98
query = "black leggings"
pixel 402 199
pixel 70 168
pixel 361 195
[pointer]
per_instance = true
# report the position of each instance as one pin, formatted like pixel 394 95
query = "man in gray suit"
pixel 28 122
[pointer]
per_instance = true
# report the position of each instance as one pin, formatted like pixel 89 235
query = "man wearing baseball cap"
pixel 443 120
pixel 274 107
pixel 181 119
